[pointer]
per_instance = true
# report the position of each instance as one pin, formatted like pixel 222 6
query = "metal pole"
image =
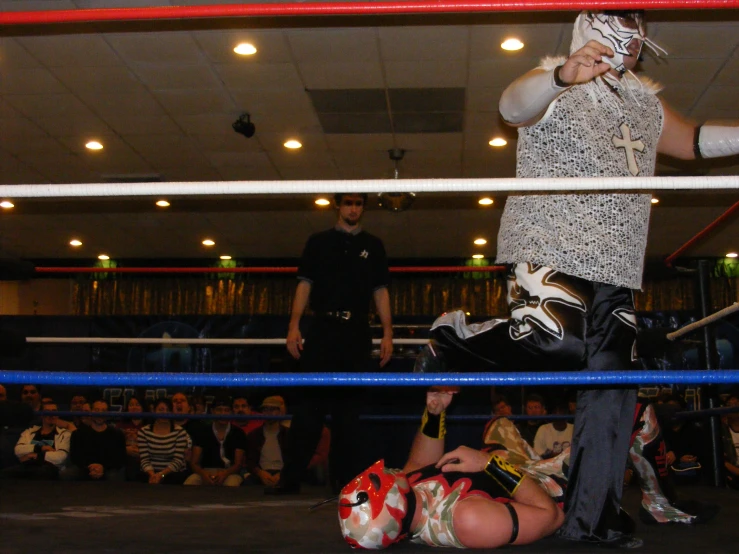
pixel 709 359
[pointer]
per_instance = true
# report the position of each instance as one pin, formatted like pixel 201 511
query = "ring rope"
pixel 297 9
pixel 394 269
pixel 221 188
pixel 703 322
pixel 696 377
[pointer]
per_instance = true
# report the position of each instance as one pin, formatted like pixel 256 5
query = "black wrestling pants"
pixel 559 322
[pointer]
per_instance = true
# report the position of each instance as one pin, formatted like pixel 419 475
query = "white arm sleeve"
pixel 529 96
pixel 716 141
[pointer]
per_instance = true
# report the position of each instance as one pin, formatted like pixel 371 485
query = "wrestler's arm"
pixel 537 514
pixel 427 449
pixel 526 100
pixel 684 139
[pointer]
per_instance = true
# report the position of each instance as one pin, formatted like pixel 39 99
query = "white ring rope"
pixel 99 190
pixel 184 342
pixel 703 322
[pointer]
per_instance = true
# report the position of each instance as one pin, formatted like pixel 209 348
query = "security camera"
pixel 244 126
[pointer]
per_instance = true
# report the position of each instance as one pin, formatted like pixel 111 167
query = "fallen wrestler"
pixel 465 498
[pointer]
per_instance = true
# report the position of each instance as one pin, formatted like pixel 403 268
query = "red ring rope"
pixel 44 17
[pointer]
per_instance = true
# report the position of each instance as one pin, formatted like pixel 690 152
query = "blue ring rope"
pixel 591 378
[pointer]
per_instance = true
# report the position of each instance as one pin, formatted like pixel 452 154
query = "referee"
pixel 341 271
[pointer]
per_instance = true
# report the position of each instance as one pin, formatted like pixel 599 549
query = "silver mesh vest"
pixel 588 131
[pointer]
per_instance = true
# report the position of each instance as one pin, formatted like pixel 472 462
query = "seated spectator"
pixel 181 406
pixel 240 406
pixel 684 438
pixel 75 405
pixel 98 451
pixel 218 450
pixel 42 450
pixel 31 395
pixel 130 428
pixel 85 420
pixel 730 435
pixel 198 405
pixel 265 446
pixel 15 417
pixel 501 406
pixel 534 407
pixel 3 393
pixel 552 438
pixel 162 447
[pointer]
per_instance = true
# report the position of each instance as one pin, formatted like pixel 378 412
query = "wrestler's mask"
pixel 372 507
pixel 611 31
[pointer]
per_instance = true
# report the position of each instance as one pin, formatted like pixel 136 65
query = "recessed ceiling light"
pixel 485 201
pixel 478 256
pixel 293 144
pixel 162 203
pixel 7 204
pixel 498 142
pixel 732 255
pixel 655 200
pixel 322 202
pixel 480 241
pixel 209 242
pixel 245 49
pixel 94 145
pixel 103 257
pixel 225 257
pixel 75 242
pixel 511 44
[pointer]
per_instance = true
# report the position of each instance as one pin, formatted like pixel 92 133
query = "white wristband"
pixel 717 141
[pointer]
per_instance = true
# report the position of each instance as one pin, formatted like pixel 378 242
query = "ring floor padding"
pixel 135 518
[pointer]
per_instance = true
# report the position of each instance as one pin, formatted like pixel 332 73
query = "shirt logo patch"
pixel 364 254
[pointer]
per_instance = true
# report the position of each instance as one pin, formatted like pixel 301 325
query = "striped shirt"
pixel 160 452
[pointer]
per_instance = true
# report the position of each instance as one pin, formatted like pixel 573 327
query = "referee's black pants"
pixel 331 345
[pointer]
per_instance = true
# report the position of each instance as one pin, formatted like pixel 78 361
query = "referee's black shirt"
pixel 344 270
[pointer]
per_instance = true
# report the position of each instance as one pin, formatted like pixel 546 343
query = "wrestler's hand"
pixel 670 458
pixel 586 64
pixel 294 342
pixel 386 349
pixel 439 398
pixel 464 459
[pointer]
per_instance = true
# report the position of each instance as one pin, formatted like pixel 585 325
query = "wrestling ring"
pixel 128 518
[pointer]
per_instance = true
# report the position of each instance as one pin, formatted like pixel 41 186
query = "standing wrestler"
pixel 576 258
pixel 340 272
pixel 464 498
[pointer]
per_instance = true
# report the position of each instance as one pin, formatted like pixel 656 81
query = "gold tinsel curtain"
pixel 427 296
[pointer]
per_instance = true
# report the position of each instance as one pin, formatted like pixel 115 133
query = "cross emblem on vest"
pixel 629 146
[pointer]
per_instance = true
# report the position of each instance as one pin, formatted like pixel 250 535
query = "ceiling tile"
pixel 167 150
pixel 350 142
pixel 439 44
pixel 333 45
pixel 500 71
pixel 101 80
pixel 425 74
pixel 441 142
pixel 177 76
pixel 685 40
pixel 674 71
pixel 76 50
pixel 184 102
pixel 729 75
pixel 483 99
pixel 176 47
pixel 719 102
pixel 84 127
pixel 342 75
pixel 14 56
pixel 30 81
pixel 127 124
pixel 139 103
pixel 259 76
pixel 682 97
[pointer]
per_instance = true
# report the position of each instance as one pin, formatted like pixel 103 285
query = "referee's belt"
pixel 346 315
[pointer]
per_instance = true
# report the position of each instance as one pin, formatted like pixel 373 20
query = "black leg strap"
pixel 514 517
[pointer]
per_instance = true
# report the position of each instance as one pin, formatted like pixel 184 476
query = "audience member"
pixel 730 434
pixel 75 405
pixel 218 450
pixel 130 428
pixel 98 451
pixel 240 406
pixel 3 393
pixel 552 438
pixel 265 446
pixel 42 450
pixel 31 395
pixel 15 417
pixel 162 447
pixel 686 446
pixel 85 420
pixel 198 405
pixel 501 406
pixel 534 407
